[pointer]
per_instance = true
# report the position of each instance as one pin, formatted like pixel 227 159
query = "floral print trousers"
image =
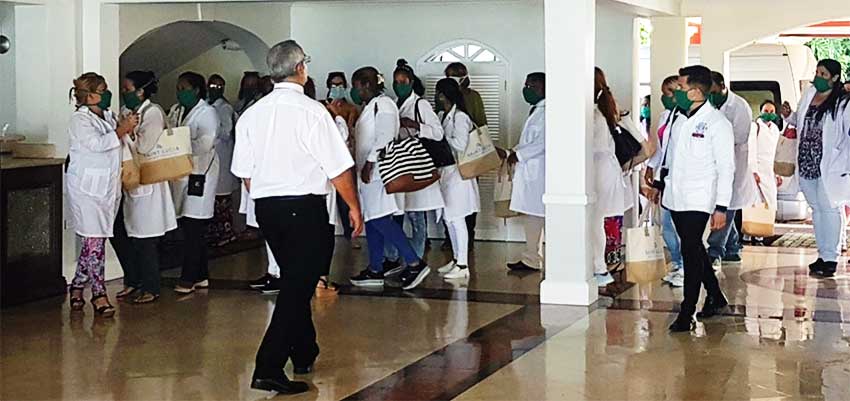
pixel 90 266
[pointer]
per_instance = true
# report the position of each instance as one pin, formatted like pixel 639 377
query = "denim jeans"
pixel 381 232
pixel 419 228
pixel 390 251
pixel 671 238
pixel 724 242
pixel 828 220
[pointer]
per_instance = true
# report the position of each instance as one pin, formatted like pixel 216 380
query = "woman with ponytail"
pixel 821 123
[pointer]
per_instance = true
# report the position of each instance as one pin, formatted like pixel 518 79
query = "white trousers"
pixel 598 240
pixel 533 254
pixel 460 240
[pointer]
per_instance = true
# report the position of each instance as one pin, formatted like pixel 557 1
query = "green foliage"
pixel 837 49
pixel 645 33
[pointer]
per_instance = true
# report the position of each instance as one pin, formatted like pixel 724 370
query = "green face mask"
pixel 131 100
pixel 769 117
pixel 531 97
pixel 669 102
pixel 105 100
pixel 717 99
pixel 821 84
pixel 187 98
pixel 644 112
pixel 355 96
pixel 402 90
pixel 682 100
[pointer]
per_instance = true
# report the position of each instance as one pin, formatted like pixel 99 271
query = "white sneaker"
pixel 457 273
pixel 672 273
pixel 604 279
pixel 716 265
pixel 447 267
pixel 678 279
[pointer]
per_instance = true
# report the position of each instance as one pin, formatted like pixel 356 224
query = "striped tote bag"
pixel 406 166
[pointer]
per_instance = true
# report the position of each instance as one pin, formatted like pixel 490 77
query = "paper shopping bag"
pixel 502 192
pixel 645 252
pixel 480 156
pixel 785 162
pixel 130 171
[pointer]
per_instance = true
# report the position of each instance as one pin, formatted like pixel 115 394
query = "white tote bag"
pixel 171 158
pixel 645 251
pixel 760 219
pixel 480 156
pixel 502 191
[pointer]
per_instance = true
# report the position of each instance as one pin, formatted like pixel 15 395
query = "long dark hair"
pixel 402 67
pixel 831 103
pixel 144 80
pixel 604 99
pixel 196 81
pixel 451 90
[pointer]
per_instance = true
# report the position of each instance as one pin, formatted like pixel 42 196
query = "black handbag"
pixel 440 151
pixel 626 147
pixel 197 182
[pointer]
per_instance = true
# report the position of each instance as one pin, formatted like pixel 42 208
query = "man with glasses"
pixel 288 153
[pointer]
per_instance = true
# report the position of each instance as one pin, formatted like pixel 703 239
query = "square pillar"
pixel 668 53
pixel 570 42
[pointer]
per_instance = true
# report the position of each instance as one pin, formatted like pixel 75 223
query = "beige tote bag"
pixel 171 158
pixel 759 219
pixel 480 156
pixel 502 191
pixel 785 162
pixel 645 261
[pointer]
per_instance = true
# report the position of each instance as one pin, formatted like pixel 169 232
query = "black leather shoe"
pixel 279 385
pixel 681 325
pixel 713 307
pixel 303 370
pixel 520 266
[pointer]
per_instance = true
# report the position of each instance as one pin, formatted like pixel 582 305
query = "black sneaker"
pixel 816 266
pixel 732 258
pixel 281 385
pixel 368 278
pixel 827 269
pixel 682 325
pixel 413 276
pixel 261 282
pixel 272 288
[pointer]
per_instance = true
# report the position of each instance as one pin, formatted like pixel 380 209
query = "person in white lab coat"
pixel 148 211
pixel 221 227
pixel 418 119
pixel 93 179
pixel 609 183
pixel 823 159
pixel 529 183
pixel 460 194
pixel 195 210
pixel 700 169
pixel 377 126
pixel 763 152
pixel 725 245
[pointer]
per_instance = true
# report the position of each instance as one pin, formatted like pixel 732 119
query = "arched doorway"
pixel 206 47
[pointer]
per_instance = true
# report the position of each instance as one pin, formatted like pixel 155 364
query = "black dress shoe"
pixel 303 370
pixel 520 266
pixel 279 385
pixel 682 325
pixel 713 307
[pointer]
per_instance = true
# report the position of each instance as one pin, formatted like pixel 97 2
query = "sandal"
pixel 145 298
pixel 323 283
pixel 126 292
pixel 103 310
pixel 76 299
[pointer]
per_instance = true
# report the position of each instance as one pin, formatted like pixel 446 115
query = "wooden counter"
pixel 30 229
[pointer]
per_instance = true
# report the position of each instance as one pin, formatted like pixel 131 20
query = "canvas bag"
pixel 406 166
pixel 645 251
pixel 502 192
pixel 759 219
pixel 130 171
pixel 480 156
pixel 171 158
pixel 785 163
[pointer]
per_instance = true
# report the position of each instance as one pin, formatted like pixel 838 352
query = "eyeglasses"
pixel 216 86
pixel 307 59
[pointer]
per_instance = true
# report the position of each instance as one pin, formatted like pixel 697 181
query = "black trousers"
pixel 123 246
pixel 698 272
pixel 302 242
pixel 139 257
pixel 195 267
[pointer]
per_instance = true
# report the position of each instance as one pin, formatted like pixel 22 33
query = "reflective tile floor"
pixel 787 336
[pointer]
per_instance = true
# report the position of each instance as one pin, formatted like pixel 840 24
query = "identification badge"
pixel 700 130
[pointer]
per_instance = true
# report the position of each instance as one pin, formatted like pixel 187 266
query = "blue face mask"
pixel 337 92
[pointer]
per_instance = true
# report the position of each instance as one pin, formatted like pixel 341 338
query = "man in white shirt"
pixel 289 153
pixel 697 187
pixel 725 245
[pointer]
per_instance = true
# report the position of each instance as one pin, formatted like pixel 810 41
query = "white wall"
pixel 8 108
pixel 615 51
pixel 391 31
pixel 229 64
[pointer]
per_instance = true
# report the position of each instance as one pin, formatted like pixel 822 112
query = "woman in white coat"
pixel 763 152
pixel 822 161
pixel 609 185
pixel 221 228
pixel 418 119
pixel 376 127
pixel 148 211
pixel 194 206
pixel 460 195
pixel 94 184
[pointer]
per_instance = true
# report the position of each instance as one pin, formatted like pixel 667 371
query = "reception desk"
pixel 30 229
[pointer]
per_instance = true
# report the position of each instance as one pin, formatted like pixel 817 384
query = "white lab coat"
pixel 333 209
pixel 835 163
pixel 460 195
pixel 612 197
pixel 701 162
pixel 762 146
pixel 530 175
pixel 148 209
pixel 227 182
pixel 429 198
pixel 202 120
pixel 377 126
pixel 739 113
pixel 94 173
